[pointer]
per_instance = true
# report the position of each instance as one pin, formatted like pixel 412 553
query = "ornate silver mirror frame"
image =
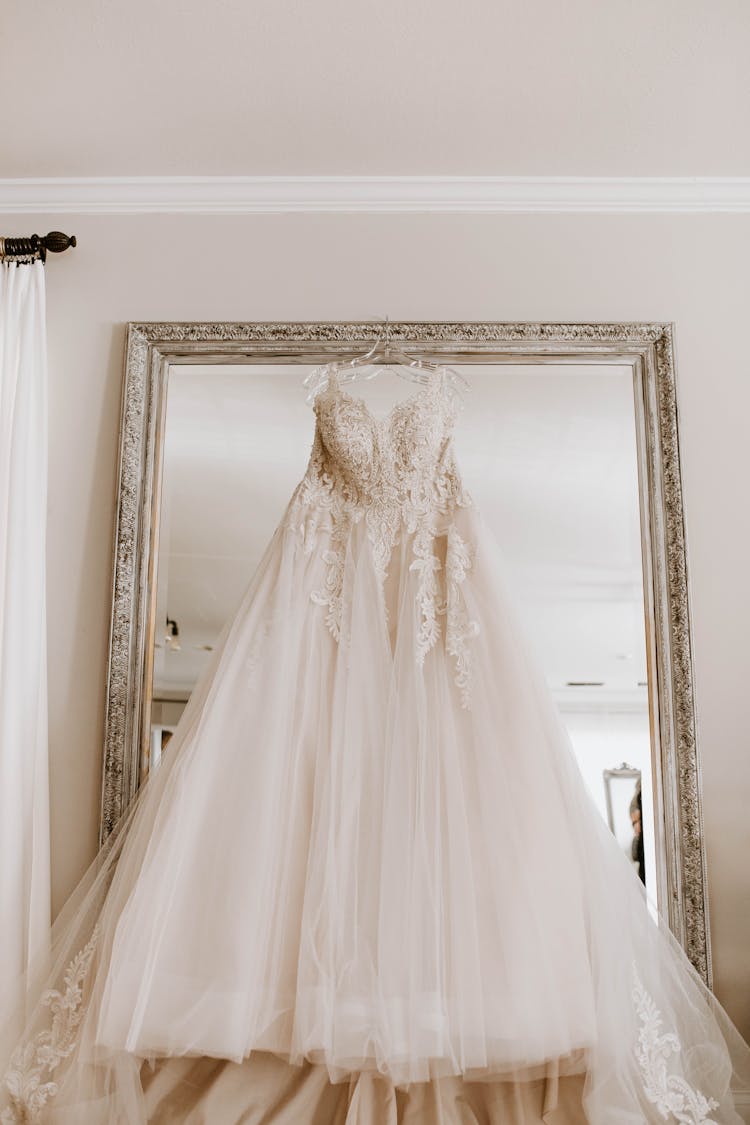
pixel 647 348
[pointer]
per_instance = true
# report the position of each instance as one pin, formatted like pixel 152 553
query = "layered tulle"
pixel 379 871
pixel 342 865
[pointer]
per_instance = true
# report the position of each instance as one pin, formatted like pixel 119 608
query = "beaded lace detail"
pixel 396 475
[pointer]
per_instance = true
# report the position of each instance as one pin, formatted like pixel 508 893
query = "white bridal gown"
pixel 367 885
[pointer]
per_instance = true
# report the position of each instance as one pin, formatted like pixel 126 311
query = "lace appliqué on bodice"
pixel 397 474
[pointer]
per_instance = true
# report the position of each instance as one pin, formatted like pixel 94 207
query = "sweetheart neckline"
pixel 433 384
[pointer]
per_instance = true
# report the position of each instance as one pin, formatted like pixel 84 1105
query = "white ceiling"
pixel 548 453
pixel 185 87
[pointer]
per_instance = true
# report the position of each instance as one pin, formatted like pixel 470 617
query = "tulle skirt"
pixel 341 871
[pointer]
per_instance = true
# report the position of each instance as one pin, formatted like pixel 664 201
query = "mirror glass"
pixel 548 453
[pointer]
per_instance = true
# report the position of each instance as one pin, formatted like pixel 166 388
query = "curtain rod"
pixel 36 246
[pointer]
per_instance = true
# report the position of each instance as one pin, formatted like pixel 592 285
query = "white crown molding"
pixel 268 194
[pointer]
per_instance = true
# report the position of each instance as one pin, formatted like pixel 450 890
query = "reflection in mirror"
pixel 622 787
pixel 548 453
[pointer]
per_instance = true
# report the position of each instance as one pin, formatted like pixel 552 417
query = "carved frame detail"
pixel 647 347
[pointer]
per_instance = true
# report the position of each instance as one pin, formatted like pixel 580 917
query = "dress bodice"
pixel 405 458
pixel 397 476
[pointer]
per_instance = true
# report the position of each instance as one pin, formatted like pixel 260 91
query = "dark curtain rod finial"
pixel 36 246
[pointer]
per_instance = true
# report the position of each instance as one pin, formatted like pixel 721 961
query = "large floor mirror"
pixel 568 444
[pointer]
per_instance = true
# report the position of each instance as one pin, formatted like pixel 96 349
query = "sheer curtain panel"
pixel 24 785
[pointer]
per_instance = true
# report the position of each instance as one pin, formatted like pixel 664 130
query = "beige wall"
pixel 689 269
pixel 491 87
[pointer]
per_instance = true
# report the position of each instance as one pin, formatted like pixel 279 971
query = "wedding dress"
pixel 367 880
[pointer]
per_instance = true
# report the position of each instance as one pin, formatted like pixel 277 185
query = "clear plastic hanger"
pixel 380 356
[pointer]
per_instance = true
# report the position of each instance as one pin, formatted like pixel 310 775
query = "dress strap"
pixel 332 376
pixel 322 378
pixel 450 388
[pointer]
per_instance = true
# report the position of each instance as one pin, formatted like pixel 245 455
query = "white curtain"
pixel 24 785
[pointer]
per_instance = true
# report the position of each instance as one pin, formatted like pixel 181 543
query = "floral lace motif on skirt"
pixel 44 1052
pixel 670 1093
pixel 396 483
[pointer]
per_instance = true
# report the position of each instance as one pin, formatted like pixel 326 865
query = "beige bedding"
pixel 266 1090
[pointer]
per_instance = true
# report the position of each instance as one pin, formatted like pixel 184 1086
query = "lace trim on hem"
pixel 47 1049
pixel 670 1093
